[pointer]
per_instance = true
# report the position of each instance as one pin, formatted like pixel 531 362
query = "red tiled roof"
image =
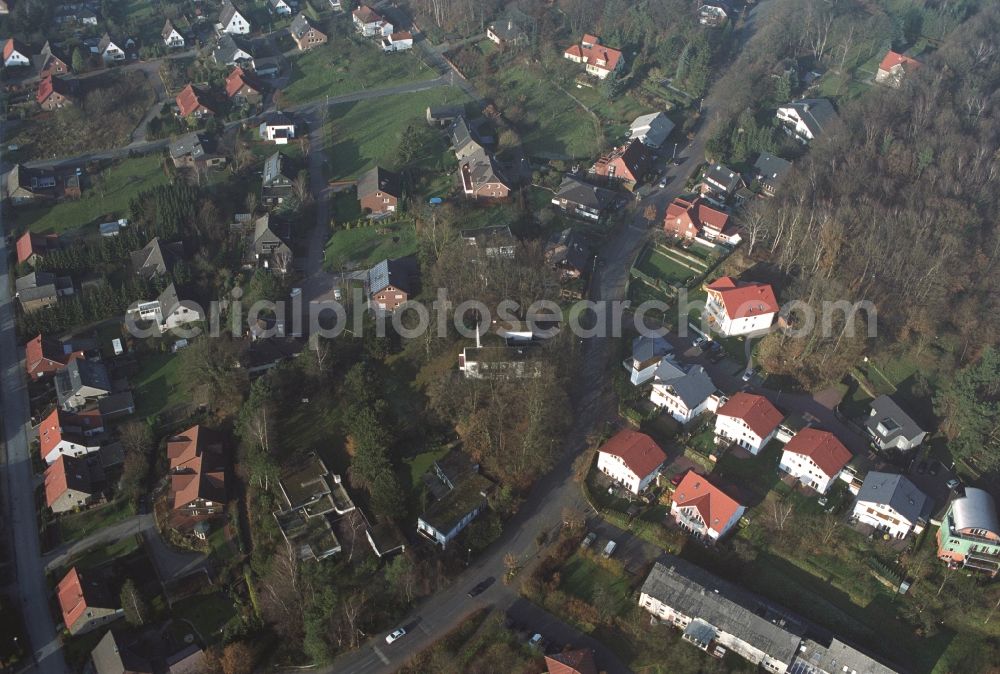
pixel 756 411
pixel 46 356
pixel 714 505
pixel 580 661
pixel 201 474
pixel 401 35
pixel 57 477
pixel 72 601
pixel 239 79
pixel 30 244
pixel 595 52
pixel 12 45
pixel 366 14
pixel 743 299
pixel 892 59
pixel 51 85
pixel 190 99
pixel 683 214
pixel 822 447
pixel 639 451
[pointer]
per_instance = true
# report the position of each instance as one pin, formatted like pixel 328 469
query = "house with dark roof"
pixel 306 35
pixel 156 258
pixel 599 60
pixel 583 200
pixel 506 34
pixel 195 102
pixel 748 420
pixel 684 391
pixel 568 252
pixel 232 21
pixel 688 219
pixel 194 150
pixel 891 428
pixel 969 535
pixel 86 602
pixel 815 457
pixel 268 246
pixel 310 498
pixel 73 482
pixel 626 165
pixel 807 119
pixel 109 51
pixel 167 311
pixel 40 290
pixel 490 242
pixel 81 382
pixel 461 503
pixel 631 459
pixel 197 474
pixel 769 170
pixel 232 50
pixel 55 92
pixel 443 115
pixel 277 180
pixel 391 283
pixel 115 655
pixel 26 185
pixel 171 36
pixel 739 307
pixel 380 191
pixel 277 127
pixel 464 138
pixel 891 503
pixel 647 352
pixel 721 181
pixel 50 61
pixel 65 434
pixel 700 507
pixel 483 179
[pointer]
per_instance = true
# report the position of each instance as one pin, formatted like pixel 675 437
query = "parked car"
pixel 481 586
pixel 609 549
pixel 588 540
pixel 748 375
pixel 338 294
pixel 676 479
pixel 822 500
pixel 953 483
pixel 395 635
pixel 663 182
pixel 536 641
pixel 699 342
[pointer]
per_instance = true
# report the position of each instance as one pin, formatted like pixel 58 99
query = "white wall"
pixel 805 469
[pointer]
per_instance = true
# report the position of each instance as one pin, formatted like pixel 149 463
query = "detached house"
pixel 109 51
pixel 626 165
pixel 969 535
pixel 155 258
pixel 243 88
pixel 599 61
pixel 81 382
pixel 722 181
pixel 567 252
pixel 277 128
pixel 740 307
pixel 894 67
pixel 195 102
pixel 808 118
pixel 276 181
pixel 50 62
pixel 72 483
pixel 197 474
pixel 55 92
pixel 651 130
pixel 506 34
pixel 391 283
pixel 194 150
pixel 113 655
pixel 269 248
pixel 370 23
pixel 15 54
pixel 815 458
pixel 893 504
pixel 461 495
pixel 400 40
pixel 748 420
pixel 171 37
pixel 490 242
pixel 583 200
pixel 45 357
pixel 64 434
pixel 41 289
pixel 769 171
pixel 685 392
pixel 690 219
pixel 482 177
pixel 631 459
pixel 647 352
pixel 85 602
pixel 714 13
pixel 380 191
pixel 167 311
pixel 279 7
pixel 232 21
pixel 24 186
pixel 232 50
pixel 306 35
pixel 892 428
pixel 703 509
pixel 31 246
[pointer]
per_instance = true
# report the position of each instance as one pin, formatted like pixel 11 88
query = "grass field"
pixel 208 613
pixel 79 526
pixel 363 247
pixel 657 265
pixel 588 581
pixel 105 196
pixel 421 463
pixel 157 386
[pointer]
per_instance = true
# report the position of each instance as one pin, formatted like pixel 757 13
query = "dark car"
pixel 481 586
pixel 676 479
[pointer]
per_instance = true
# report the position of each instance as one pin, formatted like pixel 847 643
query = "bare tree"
pixel 781 513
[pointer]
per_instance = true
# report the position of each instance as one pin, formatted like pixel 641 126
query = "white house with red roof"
pixel 631 459
pixel 370 23
pixel 749 420
pixel 689 219
pixel 43 357
pixel 72 482
pixel 704 509
pixel 740 307
pixel 62 434
pixel 600 61
pixel 815 458
pixel 894 67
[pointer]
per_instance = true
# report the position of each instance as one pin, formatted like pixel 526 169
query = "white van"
pixel 609 549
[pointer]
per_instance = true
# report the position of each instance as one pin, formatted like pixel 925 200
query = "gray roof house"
pixel 647 352
pixel 276 180
pixel 685 391
pixel 567 251
pixel 652 129
pixel 231 50
pixel 112 655
pixel 582 199
pixel 495 241
pixel 80 382
pixel 890 427
pixel 808 118
pixel 722 180
pixel 268 246
pixel 155 258
pixel 464 140
pixel 770 170
pixel 892 503
pixel 399 273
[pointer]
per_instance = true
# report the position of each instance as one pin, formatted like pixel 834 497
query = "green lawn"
pixel 157 386
pixel 757 474
pixel 209 613
pixel 76 527
pixel 585 579
pixel 657 265
pixel 421 463
pixel 363 247
pixel 347 66
pixel 105 196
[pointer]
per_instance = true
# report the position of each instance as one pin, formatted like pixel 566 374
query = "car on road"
pixel 677 161
pixel 609 549
pixel 338 294
pixel 663 183
pixel 481 586
pixel 921 468
pixel 748 375
pixel 588 540
pixel 395 635
pixel 953 483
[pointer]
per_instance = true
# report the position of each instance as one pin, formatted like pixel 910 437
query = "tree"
pixel 969 404
pixel 401 573
pixel 136 609
pixel 79 60
pixel 238 658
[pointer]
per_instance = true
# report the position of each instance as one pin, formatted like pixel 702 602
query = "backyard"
pixel 157 385
pixel 363 247
pixel 80 525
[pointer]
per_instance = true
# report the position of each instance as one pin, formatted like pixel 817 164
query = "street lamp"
pixel 468 557
pixel 675 152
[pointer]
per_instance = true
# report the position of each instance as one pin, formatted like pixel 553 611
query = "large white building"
pixel 631 459
pixel 739 308
pixel 893 504
pixel 685 392
pixel 749 420
pixel 815 458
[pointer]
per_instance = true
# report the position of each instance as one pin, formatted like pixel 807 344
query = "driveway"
pixel 137 524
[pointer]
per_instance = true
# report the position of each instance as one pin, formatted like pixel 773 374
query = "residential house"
pixel 685 391
pixel 194 150
pixel 626 165
pixel 892 428
pixel 647 352
pixel 306 35
pixel 109 51
pixel 50 61
pixel 740 307
pixel 461 504
pixel 370 23
pixel 116 405
pixel 815 458
pixel 242 88
pixel 400 40
pixel 309 499
pixel 41 289
pixel 190 660
pixel 443 115
pixel 722 181
pixel 465 141
pixel 491 242
pixel 894 67
pixel 808 118
pixel 155 258
pixel 380 191
pixel 482 177
pixel 232 50
pixel 268 247
pixel 197 474
pixel 651 130
pixel 836 658
pixel 714 13
pixel 391 283
pixel 15 54
pixel 195 102
pixel 44 357
pixel 506 34
pixel 583 200
pixel 114 655
pixel 578 661
pixel 5 6
pixel 599 61
pixel 72 482
pixel 81 382
pixel 85 602
pixel 893 504
pixel 969 535
pixel 385 538
pixel 336 5
pixel 26 185
pixel 266 66
pixel 232 21
pixel 507 361
pixel 276 181
pixel 65 434
pixel 277 128
pixel 55 92
pixel 569 253
pixel 769 171
pixel 171 36
pixel 696 218
pixel 167 311
pixel 30 246
pixel 279 7
pixel 702 508
pixel 631 459
pixel 749 420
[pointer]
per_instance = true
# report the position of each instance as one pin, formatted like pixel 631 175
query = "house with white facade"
pixel 370 23
pixel 632 459
pixel 171 37
pixel 599 60
pixel 891 428
pixel 15 54
pixel 815 458
pixel 684 391
pixel 703 509
pixel 647 352
pixel 109 51
pixel 891 503
pixel 807 119
pixel 448 516
pixel 279 7
pixel 277 128
pixel 652 129
pixel 167 311
pixel 398 41
pixel 232 21
pixel 749 420
pixel 59 435
pixel 738 307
